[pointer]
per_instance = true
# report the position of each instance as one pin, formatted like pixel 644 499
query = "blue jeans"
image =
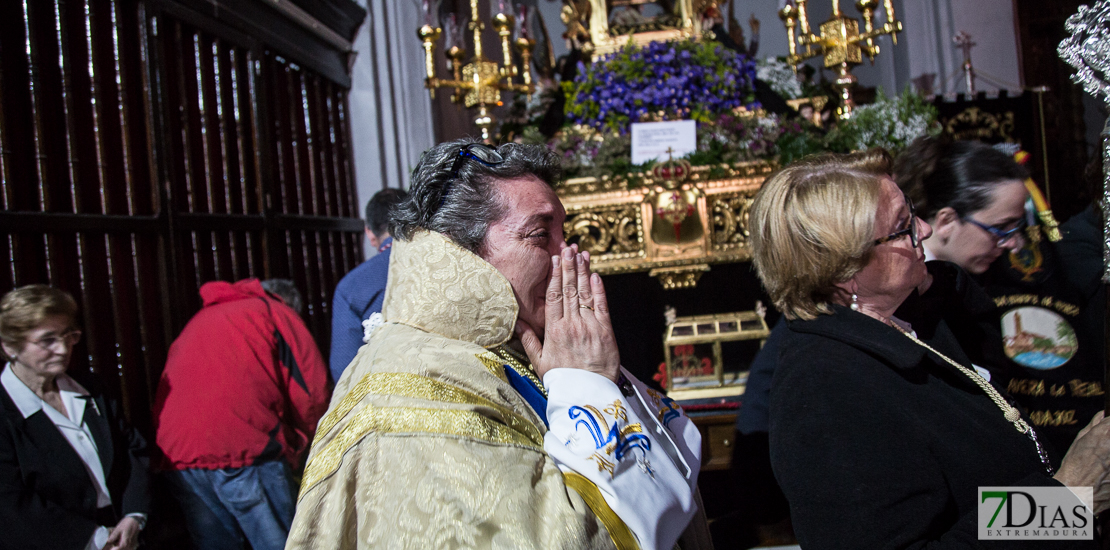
pixel 224 508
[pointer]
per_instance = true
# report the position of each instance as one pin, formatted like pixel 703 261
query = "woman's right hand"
pixel 124 536
pixel 1087 463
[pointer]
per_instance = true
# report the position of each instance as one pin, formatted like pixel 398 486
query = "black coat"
pixel 878 443
pixel 47 499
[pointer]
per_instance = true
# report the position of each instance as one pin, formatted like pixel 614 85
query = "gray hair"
pixel 287 291
pixel 462 206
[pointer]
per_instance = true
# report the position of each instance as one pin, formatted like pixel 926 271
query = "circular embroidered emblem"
pixel 1038 338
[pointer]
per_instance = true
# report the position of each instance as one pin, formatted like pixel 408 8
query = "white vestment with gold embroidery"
pixel 426 444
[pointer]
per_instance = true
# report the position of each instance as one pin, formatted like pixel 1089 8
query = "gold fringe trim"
pixel 349 401
pixel 510 428
pixel 622 536
pixel 385 420
pixel 493 365
pixel 360 390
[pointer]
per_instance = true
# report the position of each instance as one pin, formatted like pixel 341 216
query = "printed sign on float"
pixel 652 140
pixel 1036 513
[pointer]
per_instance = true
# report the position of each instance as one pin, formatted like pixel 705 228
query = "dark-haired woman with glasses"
pixel 971 194
pixel 1040 337
pixel 73 476
pixel 881 429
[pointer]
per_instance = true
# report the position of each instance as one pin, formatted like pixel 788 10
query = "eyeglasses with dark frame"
pixel 70 337
pixel 1003 236
pixel 911 229
pixel 480 152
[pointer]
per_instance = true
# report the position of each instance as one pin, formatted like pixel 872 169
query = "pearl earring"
pixel 855 302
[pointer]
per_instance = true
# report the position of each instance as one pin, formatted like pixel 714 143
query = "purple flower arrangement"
pixel 678 80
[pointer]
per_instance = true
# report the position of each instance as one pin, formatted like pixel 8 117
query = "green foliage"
pixel 795 145
pixel 1043 343
pixel 890 123
pixel 736 136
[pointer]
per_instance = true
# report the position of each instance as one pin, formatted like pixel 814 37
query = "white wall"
pixel 391 114
pixel 991 26
pixel 925 45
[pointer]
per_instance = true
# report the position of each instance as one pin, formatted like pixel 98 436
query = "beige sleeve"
pixel 462 493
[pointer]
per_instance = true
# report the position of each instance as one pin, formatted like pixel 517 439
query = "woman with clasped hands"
pixel 881 430
pixel 489 408
pixel 73 476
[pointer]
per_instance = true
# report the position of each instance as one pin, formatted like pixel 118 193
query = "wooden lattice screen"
pixel 147 147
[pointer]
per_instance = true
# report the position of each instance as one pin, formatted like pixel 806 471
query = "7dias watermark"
pixel 1036 513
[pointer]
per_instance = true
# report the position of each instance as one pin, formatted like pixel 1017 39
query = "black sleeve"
pixel 29 521
pixel 135 497
pixel 854 476
pixel 129 479
pixel 956 299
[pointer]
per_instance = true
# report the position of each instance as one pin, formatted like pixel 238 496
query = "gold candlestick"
pixel 789 16
pixel 503 24
pixel 525 46
pixel 479 83
pixel 429 35
pixel 841 43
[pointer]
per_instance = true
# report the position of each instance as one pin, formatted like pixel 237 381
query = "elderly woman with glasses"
pixel 490 410
pixel 881 430
pixel 1037 334
pixel 72 474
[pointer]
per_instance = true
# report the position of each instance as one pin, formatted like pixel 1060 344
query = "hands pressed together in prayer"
pixel 578 333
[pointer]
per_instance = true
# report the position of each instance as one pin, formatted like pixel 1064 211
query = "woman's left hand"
pixel 124 536
pixel 578 332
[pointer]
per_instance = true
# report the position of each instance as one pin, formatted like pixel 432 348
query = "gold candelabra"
pixel 840 42
pixel 480 82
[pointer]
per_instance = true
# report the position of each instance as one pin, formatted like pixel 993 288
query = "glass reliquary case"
pixel 709 355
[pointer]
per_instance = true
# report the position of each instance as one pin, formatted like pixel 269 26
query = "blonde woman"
pixel 881 430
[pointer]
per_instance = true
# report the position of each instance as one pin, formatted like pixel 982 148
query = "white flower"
pixel 369 325
pixel 779 76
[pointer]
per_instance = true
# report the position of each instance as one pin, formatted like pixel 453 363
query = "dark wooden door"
pixel 150 146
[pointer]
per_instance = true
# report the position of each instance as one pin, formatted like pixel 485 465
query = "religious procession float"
pixel 668 123
pixel 672 197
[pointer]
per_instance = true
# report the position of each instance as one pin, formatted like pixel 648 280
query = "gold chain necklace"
pixel 521 365
pixel 1009 411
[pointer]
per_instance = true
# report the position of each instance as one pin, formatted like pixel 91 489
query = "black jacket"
pixel 878 443
pixel 47 499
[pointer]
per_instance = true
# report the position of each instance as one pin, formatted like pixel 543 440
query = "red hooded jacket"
pixel 244 383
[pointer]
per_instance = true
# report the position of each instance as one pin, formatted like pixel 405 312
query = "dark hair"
pixel 379 207
pixel 462 206
pixel 936 173
pixel 287 291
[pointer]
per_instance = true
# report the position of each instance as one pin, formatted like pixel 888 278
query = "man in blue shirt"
pixel 361 291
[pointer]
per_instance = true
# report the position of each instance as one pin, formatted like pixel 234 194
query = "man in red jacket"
pixel 236 410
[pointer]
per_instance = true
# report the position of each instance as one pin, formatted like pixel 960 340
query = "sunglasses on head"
pixel 480 152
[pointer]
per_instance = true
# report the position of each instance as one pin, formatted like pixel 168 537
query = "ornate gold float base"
pixel 673 229
pixel 679 277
